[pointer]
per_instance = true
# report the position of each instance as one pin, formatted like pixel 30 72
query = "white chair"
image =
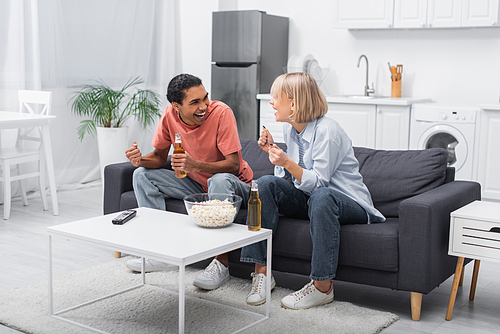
pixel 28 148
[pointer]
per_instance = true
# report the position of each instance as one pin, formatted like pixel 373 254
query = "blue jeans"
pixel 152 185
pixel 326 209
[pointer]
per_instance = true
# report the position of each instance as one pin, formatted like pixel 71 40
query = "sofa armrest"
pixel 117 180
pixel 424 227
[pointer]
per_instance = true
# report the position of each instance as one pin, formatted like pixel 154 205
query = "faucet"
pixel 368 90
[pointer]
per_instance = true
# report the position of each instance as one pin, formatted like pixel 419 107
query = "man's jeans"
pixel 152 185
pixel 326 208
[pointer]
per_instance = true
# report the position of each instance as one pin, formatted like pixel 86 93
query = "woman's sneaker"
pixel 150 265
pixel 257 295
pixel 306 297
pixel 213 276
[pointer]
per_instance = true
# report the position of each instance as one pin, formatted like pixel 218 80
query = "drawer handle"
pixel 495 229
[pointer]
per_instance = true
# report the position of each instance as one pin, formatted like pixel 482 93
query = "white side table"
pixel 474 233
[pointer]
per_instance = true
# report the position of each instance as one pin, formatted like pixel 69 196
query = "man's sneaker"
pixel 150 265
pixel 258 294
pixel 213 276
pixel 306 297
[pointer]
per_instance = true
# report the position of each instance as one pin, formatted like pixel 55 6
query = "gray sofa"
pixel 415 190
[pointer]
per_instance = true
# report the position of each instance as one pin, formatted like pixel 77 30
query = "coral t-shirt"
pixel 209 142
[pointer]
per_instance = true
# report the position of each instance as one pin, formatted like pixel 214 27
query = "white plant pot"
pixel 112 143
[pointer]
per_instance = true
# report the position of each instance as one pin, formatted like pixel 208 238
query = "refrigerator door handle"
pixel 234 64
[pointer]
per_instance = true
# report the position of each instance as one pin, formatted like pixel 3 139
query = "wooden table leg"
pixel 118 255
pixel 475 274
pixel 461 283
pixel 454 288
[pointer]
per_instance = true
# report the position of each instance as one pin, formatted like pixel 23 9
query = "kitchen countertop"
pixel 401 101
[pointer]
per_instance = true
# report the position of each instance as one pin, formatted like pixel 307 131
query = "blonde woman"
pixel 326 187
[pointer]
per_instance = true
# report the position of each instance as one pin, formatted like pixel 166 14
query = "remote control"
pixel 124 217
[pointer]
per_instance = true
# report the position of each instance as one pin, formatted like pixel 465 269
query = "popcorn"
pixel 213 213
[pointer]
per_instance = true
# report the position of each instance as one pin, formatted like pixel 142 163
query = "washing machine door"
pixel 449 138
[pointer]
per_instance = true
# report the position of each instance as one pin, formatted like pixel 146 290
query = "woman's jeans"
pixel 152 185
pixel 326 209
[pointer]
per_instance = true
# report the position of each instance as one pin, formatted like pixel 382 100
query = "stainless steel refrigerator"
pixel 249 50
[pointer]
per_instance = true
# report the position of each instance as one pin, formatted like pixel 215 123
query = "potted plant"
pixel 108 109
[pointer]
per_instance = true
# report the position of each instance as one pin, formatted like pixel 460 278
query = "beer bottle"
pixel 178 149
pixel 254 208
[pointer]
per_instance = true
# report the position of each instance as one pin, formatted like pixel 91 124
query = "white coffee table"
pixel 163 236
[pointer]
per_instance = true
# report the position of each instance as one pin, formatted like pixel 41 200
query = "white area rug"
pixel 149 310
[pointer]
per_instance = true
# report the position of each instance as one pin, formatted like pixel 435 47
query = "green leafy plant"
pixel 110 108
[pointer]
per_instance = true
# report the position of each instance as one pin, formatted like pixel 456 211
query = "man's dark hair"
pixel 176 91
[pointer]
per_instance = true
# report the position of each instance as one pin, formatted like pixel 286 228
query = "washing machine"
pixel 448 127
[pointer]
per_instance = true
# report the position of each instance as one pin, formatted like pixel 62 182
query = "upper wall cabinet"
pixel 480 13
pixel 365 14
pixel 427 13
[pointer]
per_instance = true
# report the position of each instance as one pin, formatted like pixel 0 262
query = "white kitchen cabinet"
pixel 358 121
pixel 427 13
pixel 393 127
pixel 380 14
pixel 480 13
pixel 410 13
pixel 489 157
pixel 362 14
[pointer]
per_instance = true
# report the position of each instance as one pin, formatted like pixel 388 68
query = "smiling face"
pixel 193 108
pixel 283 106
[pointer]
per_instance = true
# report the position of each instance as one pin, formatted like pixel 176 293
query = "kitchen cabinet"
pixel 384 127
pixel 480 13
pixel 409 14
pixel 358 121
pixel 488 163
pixel 427 13
pixel 362 14
pixel 393 127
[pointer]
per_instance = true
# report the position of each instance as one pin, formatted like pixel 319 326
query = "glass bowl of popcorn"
pixel 212 210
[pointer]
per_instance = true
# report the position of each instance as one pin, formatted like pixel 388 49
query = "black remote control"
pixel 124 217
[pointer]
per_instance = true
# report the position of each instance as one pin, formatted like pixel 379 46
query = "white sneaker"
pixel 258 294
pixel 213 276
pixel 306 297
pixel 150 265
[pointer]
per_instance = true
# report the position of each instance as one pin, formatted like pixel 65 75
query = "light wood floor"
pixel 23 247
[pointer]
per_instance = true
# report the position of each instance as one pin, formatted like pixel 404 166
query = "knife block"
pixel 396 88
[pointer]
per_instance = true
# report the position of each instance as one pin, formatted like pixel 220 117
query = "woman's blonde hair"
pixel 309 101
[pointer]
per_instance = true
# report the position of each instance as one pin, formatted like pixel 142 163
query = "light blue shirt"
pixel 329 162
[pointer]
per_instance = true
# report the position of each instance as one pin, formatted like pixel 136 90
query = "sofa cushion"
pixel 371 246
pixel 392 176
pixel 257 158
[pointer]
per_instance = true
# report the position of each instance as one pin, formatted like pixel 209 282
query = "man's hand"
pixel 183 161
pixel 134 155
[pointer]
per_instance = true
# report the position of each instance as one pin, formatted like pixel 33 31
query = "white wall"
pixel 452 66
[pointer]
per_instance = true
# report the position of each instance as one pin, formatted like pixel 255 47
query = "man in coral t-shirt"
pixel 212 160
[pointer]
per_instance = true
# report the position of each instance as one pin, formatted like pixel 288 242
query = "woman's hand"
pixel 265 140
pixel 277 156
